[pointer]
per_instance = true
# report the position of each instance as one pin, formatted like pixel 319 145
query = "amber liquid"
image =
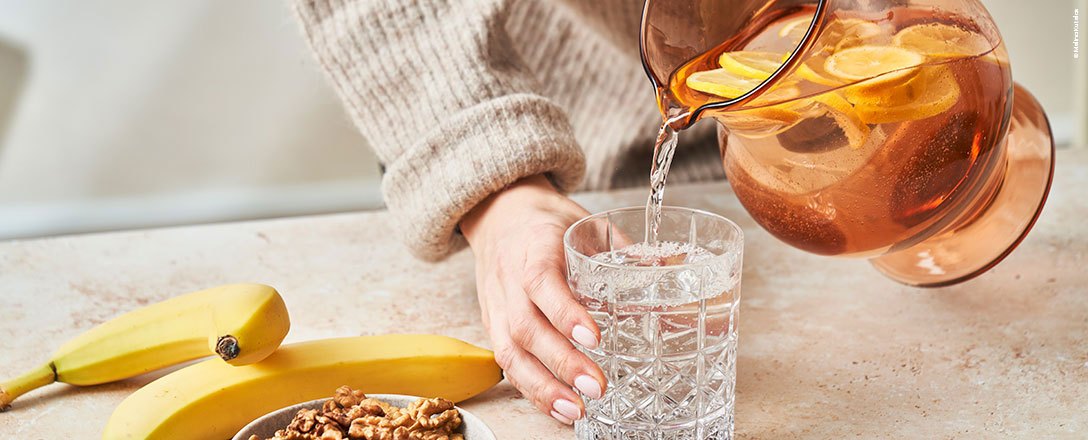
pixel 809 187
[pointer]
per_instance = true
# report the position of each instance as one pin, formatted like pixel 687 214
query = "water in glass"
pixel 668 342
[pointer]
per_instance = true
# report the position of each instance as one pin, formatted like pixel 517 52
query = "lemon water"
pixel 889 126
pixel 664 149
pixel 668 342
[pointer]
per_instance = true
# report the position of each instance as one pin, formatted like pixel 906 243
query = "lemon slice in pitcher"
pixel 941 40
pixel 758 122
pixel 884 64
pixel 728 84
pixel 853 127
pixel 898 85
pixel 721 82
pixel 794 30
pixel 754 122
pixel 752 64
pixel 813 70
pixel 940 93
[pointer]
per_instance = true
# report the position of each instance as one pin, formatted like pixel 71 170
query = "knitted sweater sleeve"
pixel 442 96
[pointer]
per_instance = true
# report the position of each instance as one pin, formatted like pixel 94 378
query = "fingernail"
pixel 588 386
pixel 560 418
pixel 583 336
pixel 567 409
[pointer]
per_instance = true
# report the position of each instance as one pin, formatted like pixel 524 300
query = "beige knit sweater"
pixel 460 98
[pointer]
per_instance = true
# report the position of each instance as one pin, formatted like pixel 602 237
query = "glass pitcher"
pixel 881 129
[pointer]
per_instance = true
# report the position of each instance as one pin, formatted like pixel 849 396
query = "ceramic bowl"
pixel 265 427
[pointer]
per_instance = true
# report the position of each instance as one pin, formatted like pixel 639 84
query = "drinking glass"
pixel 668 321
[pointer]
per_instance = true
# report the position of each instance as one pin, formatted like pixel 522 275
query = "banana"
pixel 242 323
pixel 212 400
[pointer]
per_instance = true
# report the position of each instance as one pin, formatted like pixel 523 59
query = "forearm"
pixel 445 101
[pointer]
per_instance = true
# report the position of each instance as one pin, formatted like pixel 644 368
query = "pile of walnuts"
pixel 351 415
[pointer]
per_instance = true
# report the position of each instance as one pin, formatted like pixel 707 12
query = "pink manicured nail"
pixel 588 386
pixel 561 419
pixel 583 336
pixel 567 409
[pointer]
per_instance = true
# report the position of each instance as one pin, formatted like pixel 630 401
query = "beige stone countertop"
pixel 828 347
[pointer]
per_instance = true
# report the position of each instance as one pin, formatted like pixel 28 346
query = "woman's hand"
pixel 528 310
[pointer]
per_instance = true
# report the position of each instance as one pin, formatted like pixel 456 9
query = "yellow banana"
pixel 242 323
pixel 212 400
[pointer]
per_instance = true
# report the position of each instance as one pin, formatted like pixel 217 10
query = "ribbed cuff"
pixel 471 155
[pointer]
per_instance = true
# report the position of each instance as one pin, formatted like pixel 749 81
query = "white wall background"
pixel 132 113
pixel 1039 36
pixel 127 113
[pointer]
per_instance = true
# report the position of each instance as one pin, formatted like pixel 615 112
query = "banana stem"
pixel 43 375
pixel 227 347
